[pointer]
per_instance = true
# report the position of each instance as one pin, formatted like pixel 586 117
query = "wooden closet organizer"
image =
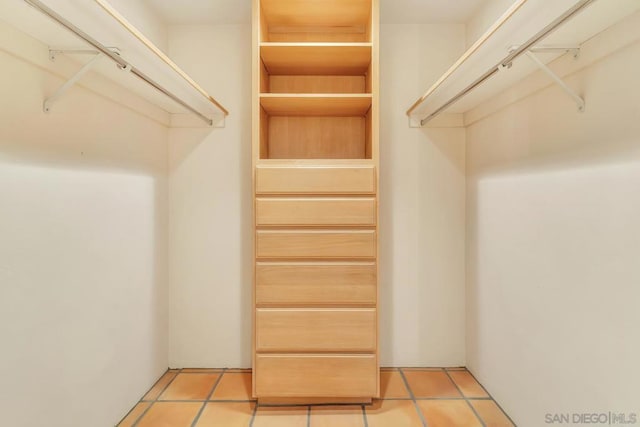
pixel 315 174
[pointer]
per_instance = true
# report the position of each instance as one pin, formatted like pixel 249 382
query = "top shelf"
pixel 167 86
pixel 493 47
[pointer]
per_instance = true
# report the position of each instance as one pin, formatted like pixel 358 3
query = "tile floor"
pixel 430 397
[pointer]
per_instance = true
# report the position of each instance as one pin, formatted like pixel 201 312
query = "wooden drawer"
pixel 315 179
pixel 316 244
pixel 315 211
pixel 316 283
pixel 319 329
pixel 316 375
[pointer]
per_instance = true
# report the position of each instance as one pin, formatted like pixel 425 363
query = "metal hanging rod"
pixel 153 48
pixel 477 45
pixel 508 60
pixel 122 64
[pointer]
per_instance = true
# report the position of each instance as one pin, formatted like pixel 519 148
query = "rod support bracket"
pixel 48 103
pixel 557 79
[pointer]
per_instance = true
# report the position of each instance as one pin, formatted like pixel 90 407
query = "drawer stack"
pixel 315 161
pixel 315 282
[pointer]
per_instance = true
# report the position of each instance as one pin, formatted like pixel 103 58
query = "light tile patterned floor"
pixel 420 397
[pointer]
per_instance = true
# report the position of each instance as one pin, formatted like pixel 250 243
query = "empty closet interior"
pixel 307 200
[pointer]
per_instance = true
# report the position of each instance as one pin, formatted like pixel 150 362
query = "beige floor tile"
pixel 190 387
pixel 392 413
pixel 430 384
pixel 491 414
pixel 467 384
pixel 294 416
pixel 392 385
pixel 170 414
pixel 448 413
pixel 226 414
pixel 337 416
pixel 160 385
pixel 233 386
pixel 135 413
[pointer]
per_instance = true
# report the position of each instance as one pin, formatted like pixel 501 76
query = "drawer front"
pixel 315 375
pixel 315 180
pixel 316 244
pixel 315 211
pixel 316 283
pixel 300 330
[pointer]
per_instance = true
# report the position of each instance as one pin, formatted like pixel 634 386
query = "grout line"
pixel 465 399
pixel 131 410
pixel 158 396
pixel 215 385
pixel 491 397
pixel 253 416
pixel 309 416
pixel 451 398
pixel 413 398
pixel 364 416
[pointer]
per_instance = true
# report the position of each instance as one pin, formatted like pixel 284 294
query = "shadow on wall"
pixel 83 249
pixel 553 245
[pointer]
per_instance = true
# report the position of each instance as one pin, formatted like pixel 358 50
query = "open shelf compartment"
pixel 316 20
pixel 316 58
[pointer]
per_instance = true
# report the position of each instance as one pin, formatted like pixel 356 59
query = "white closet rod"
pixel 115 57
pixel 506 62
pixel 152 47
pixel 477 45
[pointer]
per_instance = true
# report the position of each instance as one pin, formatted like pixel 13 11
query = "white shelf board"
pixel 91 19
pixel 531 18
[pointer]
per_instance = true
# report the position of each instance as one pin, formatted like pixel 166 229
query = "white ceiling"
pixel 239 11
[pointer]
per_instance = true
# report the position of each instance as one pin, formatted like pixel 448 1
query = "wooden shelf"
pixel 342 105
pixel 133 47
pixel 316 58
pixel 516 30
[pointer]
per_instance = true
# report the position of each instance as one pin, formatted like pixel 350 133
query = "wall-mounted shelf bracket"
pixel 53 53
pixel 531 53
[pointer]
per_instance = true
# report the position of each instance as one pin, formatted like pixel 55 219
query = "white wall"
pixel 210 206
pixel 422 206
pixel 488 12
pixel 554 243
pixel 144 18
pixel 83 250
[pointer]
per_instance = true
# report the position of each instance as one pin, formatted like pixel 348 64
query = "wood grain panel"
pixel 317 138
pixel 325 13
pixel 316 283
pixel 315 211
pixel 315 180
pixel 316 244
pixel 318 34
pixel 315 375
pixel 319 329
pixel 316 84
